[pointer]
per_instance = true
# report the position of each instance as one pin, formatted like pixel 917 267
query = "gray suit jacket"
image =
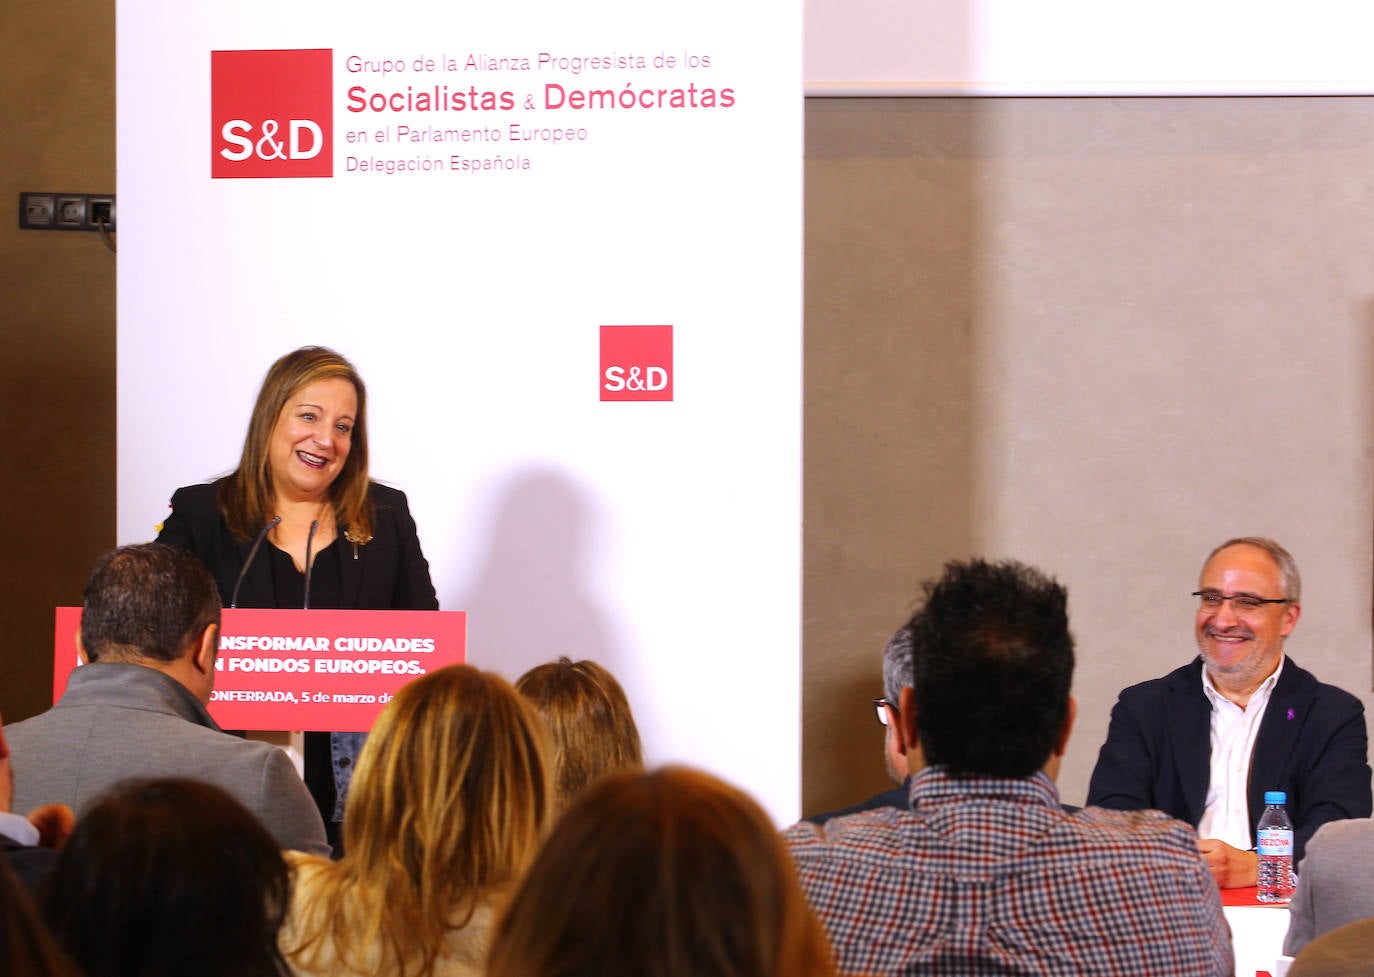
pixel 118 721
pixel 1335 882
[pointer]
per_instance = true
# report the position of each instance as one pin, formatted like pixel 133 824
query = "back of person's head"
pixel 25 946
pixel 164 878
pixel 589 718
pixel 992 665
pixel 1346 951
pixel 452 793
pixel 453 782
pixel 146 602
pixel 671 873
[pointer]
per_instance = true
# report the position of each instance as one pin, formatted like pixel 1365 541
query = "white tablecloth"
pixel 1257 934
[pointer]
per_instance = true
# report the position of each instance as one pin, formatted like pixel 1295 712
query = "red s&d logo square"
pixel 271 114
pixel 636 362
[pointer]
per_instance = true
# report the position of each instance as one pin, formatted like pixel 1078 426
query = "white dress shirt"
pixel 1226 813
pixel 17 828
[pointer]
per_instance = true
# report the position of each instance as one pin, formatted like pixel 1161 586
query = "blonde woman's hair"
pixel 589 718
pixel 674 874
pixel 247 499
pixel 450 799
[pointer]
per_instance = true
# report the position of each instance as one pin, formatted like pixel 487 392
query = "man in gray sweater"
pixel 136 708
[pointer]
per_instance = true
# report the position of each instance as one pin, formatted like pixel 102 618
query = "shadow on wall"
pixel 529 597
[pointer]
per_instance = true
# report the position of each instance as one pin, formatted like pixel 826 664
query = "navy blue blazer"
pixel 1312 744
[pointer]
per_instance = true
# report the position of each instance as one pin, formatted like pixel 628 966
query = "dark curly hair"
pixel 992 661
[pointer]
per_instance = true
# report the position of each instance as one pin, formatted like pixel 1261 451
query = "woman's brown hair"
pixel 25 944
pixel 164 878
pixel 246 498
pixel 589 718
pixel 673 873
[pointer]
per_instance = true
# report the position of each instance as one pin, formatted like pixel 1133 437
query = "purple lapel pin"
pixel 1292 714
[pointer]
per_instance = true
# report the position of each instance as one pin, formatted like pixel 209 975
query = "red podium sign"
pixel 316 669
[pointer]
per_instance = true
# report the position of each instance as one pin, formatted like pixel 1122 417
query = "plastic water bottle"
pixel 1275 844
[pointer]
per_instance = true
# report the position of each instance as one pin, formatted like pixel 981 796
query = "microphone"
pixel 257 544
pixel 314 525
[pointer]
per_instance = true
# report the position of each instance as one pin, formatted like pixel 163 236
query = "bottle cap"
pixel 1275 797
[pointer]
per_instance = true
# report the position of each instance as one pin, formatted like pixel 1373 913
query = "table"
pixel 1257 930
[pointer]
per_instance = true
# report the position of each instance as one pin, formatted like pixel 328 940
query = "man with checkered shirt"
pixel 986 873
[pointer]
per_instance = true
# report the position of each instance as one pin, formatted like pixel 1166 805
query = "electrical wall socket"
pixel 66 211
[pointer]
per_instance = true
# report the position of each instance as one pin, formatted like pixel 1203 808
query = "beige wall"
pixel 57 327
pixel 1099 335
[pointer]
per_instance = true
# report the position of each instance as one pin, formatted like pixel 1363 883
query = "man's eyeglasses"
pixel 1212 600
pixel 882 706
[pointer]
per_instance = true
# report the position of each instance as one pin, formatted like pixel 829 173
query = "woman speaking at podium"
pixel 300 524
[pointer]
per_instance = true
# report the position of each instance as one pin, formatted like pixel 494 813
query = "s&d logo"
pixel 271 114
pixel 636 362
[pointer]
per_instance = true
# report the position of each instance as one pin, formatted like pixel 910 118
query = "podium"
pixel 307 669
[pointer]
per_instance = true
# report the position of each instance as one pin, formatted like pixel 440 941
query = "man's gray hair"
pixel 1289 578
pixel 897 667
pixel 146 602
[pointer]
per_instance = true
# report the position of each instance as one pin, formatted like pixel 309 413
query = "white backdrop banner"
pixel 562 244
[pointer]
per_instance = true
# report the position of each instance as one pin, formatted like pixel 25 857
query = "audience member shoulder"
pixel 308 873
pixel 1154 827
pixel 875 825
pixel 1347 832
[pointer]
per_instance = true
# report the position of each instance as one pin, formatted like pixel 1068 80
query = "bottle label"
pixel 1275 841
